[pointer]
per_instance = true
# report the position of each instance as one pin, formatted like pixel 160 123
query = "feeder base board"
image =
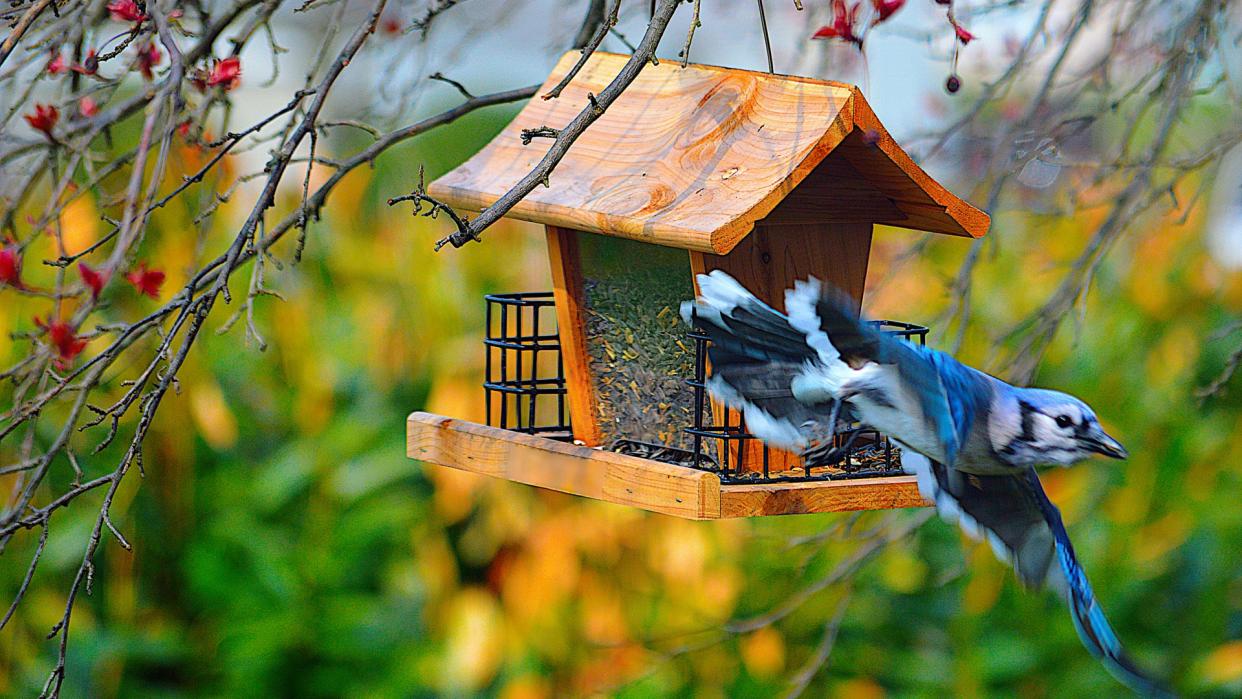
pixel 629 480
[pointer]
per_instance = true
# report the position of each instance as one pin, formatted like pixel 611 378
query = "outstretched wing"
pixel 948 393
pixel 755 354
pixel 1024 528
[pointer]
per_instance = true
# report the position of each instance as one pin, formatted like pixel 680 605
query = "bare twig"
pixel 1217 385
pixel 529 135
pixel 570 133
pixel 695 24
pixel 601 30
pixel 19 30
pixel 460 88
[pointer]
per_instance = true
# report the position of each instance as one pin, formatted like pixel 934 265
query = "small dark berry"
pixel 953 84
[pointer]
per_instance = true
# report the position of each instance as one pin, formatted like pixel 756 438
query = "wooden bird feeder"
pixel 771 178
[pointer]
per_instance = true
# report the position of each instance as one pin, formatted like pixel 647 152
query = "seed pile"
pixel 640 357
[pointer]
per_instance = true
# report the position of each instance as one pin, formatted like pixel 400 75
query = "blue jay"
pixel 971 440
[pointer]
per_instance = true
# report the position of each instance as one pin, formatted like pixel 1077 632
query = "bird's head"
pixel 1054 428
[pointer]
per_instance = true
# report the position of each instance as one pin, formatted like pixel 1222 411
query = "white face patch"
pixel 1050 434
pixel 1004 423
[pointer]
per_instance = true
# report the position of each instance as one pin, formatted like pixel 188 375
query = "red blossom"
pixel 11 266
pixel 844 22
pixel 146 281
pixel 126 11
pixel 885 8
pixel 962 35
pixel 225 73
pixel 67 343
pixel 184 128
pixel 57 65
pixel 149 56
pixel 44 119
pixel 93 279
pixel 391 25
pixel 89 65
pixel 87 107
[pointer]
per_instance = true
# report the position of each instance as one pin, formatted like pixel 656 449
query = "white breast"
pixel 872 386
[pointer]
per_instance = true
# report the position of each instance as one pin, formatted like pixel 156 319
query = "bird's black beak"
pixel 1101 443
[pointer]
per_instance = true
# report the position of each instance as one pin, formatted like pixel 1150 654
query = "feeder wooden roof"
pixel 693 157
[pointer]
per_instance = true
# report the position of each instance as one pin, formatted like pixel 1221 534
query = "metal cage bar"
pixel 521 391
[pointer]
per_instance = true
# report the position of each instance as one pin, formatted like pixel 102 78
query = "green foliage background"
pixel 285 546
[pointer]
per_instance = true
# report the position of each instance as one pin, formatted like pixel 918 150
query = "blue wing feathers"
pixel 1089 620
pixel 966 394
pixel 950 394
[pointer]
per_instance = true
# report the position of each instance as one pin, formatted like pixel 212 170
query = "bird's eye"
pixel 1064 421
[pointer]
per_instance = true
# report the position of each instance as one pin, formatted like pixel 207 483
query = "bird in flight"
pixel 971 440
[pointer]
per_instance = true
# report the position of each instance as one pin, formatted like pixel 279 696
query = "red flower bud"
pixel 225 73
pixel 146 281
pixel 44 119
pixel 885 8
pixel 126 11
pixel 66 342
pixel 844 24
pixel 953 84
pixel 962 35
pixel 11 266
pixel 149 56
pixel 87 107
pixel 93 279
pixel 57 65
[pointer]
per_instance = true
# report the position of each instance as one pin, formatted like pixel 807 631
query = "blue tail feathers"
pixel 1089 620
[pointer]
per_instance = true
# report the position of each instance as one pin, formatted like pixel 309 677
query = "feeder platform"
pixel 629 480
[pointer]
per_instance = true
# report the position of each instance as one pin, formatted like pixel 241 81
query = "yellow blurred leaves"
pixel 902 571
pixel 543 575
pixel 211 414
pixel 307 361
pixel 454 491
pixel 1149 283
pixel 987 577
pixel 475 640
pixel 1157 539
pixel 458 396
pixel 435 563
pixel 603 617
pixel 79 223
pixel 1223 665
pixel 681 553
pixel 1066 488
pixel 1169 360
pixel 526 687
pixel 763 652
pixel 1129 505
pixel 858 688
